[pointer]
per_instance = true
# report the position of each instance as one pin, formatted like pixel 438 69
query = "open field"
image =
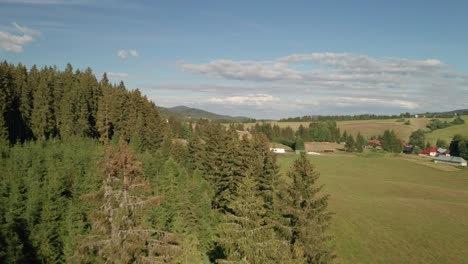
pixel 366 127
pixel 391 210
pixel 323 146
pixel 370 128
pixel 448 133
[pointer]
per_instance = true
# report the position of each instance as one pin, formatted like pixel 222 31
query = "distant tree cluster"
pixel 390 142
pixel 326 131
pixel 314 118
pixel 435 124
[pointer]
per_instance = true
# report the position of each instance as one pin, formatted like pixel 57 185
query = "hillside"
pixel 448 133
pixel 194 113
pixel 367 128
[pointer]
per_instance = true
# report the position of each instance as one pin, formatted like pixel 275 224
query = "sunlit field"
pixel 390 210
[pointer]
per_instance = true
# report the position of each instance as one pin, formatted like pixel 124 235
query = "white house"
pixel 278 150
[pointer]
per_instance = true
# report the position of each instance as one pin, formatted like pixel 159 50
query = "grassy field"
pixel 448 133
pixel 370 128
pixel 366 127
pixel 391 210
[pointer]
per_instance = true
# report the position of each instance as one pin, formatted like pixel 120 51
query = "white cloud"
pixel 26 30
pixel 252 99
pixel 117 75
pixel 123 54
pixel 340 80
pixel 244 70
pixel 359 101
pixel 133 53
pixel 16 42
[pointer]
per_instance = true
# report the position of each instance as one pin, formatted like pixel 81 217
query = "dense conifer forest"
pixel 91 173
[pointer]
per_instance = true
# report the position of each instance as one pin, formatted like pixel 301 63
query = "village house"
pixel 430 151
pixel 442 152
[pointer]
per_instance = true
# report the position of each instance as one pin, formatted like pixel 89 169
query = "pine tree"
pixel 305 210
pixel 245 235
pixel 360 143
pixel 118 233
pixel 103 116
pixel 350 145
pixel 42 119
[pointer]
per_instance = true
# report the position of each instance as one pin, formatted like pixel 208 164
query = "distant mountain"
pixel 194 113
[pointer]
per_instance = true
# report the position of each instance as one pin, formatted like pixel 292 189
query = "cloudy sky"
pixel 263 59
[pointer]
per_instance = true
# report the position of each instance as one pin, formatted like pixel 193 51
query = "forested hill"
pixel 194 113
pixel 90 173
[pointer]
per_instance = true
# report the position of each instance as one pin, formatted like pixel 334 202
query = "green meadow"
pixel 392 210
pixel 448 133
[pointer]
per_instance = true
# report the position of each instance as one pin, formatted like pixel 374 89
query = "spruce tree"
pixel 245 235
pixel 118 234
pixel 305 209
pixel 350 145
pixel 360 143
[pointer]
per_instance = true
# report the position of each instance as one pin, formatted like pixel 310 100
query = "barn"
pixel 451 160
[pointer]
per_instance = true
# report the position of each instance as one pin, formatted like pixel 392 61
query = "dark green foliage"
pixel 275 133
pixel 41 183
pixel 442 143
pixel 299 144
pixel 245 235
pixel 49 103
pixel 459 146
pixel 305 210
pixel 350 145
pixel 438 124
pixel 417 138
pixel 390 142
pixel 325 131
pixel 360 143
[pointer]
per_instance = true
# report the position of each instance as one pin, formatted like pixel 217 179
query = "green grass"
pixel 389 210
pixel 448 133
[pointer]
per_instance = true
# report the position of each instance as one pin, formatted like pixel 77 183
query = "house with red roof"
pixel 375 142
pixel 430 151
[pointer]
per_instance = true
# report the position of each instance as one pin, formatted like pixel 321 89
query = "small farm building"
pixel 451 160
pixel 278 150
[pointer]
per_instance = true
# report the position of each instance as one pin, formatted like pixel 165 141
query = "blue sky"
pixel 264 59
